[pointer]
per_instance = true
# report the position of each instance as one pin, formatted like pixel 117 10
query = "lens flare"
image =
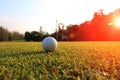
pixel 117 22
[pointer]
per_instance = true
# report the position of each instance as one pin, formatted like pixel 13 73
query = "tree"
pixel 10 37
pixel 72 31
pixel 15 35
pixel 4 34
pixel 58 34
pixel 45 35
pixel 28 36
pixel 36 36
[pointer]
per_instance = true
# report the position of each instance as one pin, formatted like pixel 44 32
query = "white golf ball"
pixel 49 44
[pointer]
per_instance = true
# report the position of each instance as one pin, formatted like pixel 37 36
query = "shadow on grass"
pixel 32 53
pixel 22 54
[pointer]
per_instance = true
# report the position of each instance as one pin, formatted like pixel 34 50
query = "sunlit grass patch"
pixel 71 60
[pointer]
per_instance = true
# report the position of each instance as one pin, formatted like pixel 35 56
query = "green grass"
pixel 70 61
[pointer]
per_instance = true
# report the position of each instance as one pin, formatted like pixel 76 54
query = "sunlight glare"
pixel 117 22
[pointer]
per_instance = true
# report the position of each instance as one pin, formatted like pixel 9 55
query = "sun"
pixel 117 22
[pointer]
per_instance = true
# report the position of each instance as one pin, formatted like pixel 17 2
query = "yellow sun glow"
pixel 117 22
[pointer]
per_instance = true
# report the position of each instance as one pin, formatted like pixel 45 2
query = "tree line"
pixel 102 27
pixel 6 35
pixel 35 36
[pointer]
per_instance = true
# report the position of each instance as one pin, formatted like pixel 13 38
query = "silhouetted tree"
pixel 4 33
pixel 10 36
pixel 45 35
pixel 59 33
pixel 100 28
pixel 36 36
pixel 28 36
pixel 15 35
pixel 72 32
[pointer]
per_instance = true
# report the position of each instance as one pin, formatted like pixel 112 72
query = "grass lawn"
pixel 70 61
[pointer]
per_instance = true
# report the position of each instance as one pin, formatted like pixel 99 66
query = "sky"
pixel 29 15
